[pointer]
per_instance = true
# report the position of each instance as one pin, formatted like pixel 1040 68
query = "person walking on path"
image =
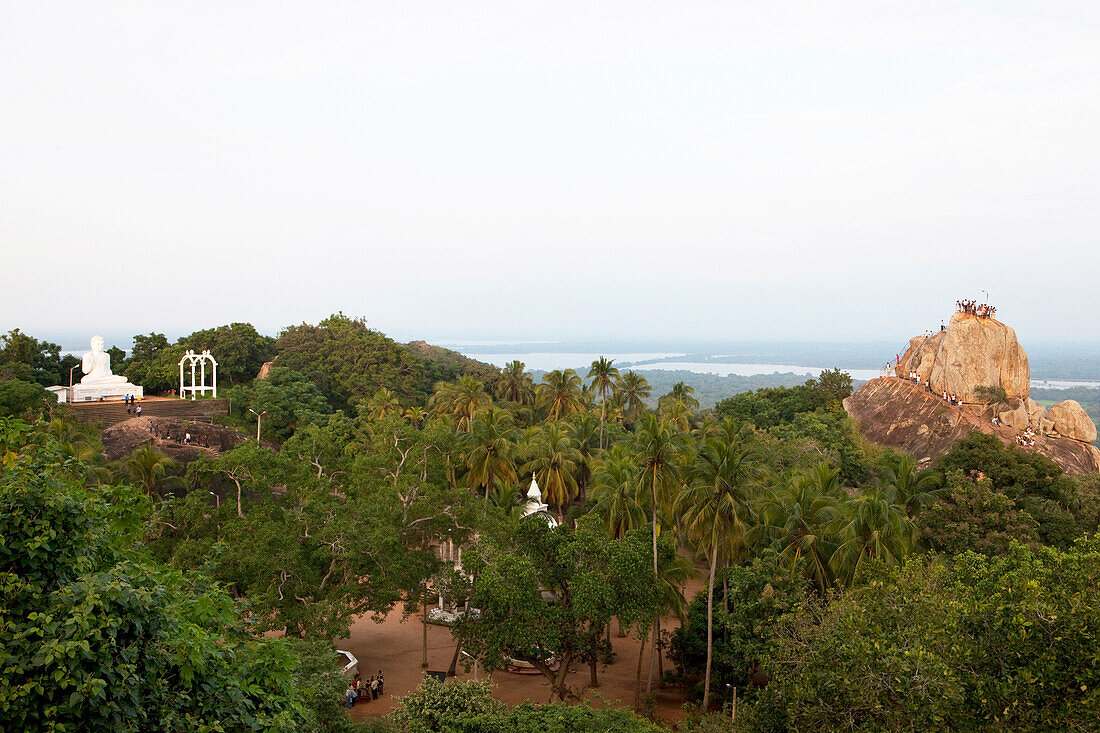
pixel 373 688
pixel 381 683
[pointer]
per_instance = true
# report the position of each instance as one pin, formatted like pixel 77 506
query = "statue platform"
pixel 96 392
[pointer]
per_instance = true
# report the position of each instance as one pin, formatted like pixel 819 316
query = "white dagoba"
pixel 535 506
pixel 98 383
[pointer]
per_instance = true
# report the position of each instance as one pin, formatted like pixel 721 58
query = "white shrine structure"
pixel 199 386
pixel 535 507
pixel 99 383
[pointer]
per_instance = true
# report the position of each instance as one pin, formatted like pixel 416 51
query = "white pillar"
pixel 192 379
pixel 181 377
pixel 215 377
pixel 202 370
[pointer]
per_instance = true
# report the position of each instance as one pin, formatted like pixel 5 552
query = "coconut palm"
pixel 634 390
pixel 461 399
pixel 415 415
pixel 677 414
pixel 585 427
pixel 655 451
pixel 516 384
pixel 554 459
pixel 799 516
pixel 681 392
pixel 559 394
pixel 489 449
pixel 603 376
pixel 615 492
pixel 870 526
pixel 151 470
pixel 911 488
pixel 383 403
pixel 717 510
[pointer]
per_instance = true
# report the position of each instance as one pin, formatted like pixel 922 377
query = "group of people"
pixel 981 310
pixel 182 438
pixel 1026 438
pixel 951 399
pixel 367 689
pixel 132 408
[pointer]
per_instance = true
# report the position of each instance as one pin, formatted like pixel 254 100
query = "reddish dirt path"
pixel 395 647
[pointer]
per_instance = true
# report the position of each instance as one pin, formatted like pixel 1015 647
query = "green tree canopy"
pixel 546 593
pixel 288 397
pixel 974 643
pixel 96 637
pixel 349 361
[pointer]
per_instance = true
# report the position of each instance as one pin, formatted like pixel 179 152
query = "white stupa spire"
pixel 534 492
pixel 534 503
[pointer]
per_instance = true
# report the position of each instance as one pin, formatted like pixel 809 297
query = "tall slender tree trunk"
pixel 710 622
pixel 638 676
pixel 603 411
pixel 652 649
pixel 660 652
pixel 424 650
pixel 593 682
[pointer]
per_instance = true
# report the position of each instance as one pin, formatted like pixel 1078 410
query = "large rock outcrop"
pixel 122 439
pixel 901 414
pixel 973 352
pixel 1071 421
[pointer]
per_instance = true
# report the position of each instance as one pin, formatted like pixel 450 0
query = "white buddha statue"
pixel 96 366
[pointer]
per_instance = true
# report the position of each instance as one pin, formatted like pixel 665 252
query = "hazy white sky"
pixel 557 170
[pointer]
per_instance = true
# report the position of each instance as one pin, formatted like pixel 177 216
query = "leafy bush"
pixel 975 642
pixel 991 395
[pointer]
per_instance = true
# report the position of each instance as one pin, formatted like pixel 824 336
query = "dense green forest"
pixel 845 588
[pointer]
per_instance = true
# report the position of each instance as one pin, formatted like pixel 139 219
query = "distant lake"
pixel 547 361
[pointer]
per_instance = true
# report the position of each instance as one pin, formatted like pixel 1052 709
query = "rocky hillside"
pixel 900 414
pixel 971 353
pixel 120 440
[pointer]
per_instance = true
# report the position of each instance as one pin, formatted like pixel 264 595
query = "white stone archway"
pixel 200 385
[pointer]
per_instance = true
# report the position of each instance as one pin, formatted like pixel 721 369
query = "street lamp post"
pixel 217 500
pixel 258 416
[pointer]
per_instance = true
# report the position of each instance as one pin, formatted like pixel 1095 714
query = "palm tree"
pixel 461 399
pixel 516 384
pixel 634 390
pixel 615 492
pixel 677 414
pixel 870 526
pixel 554 459
pixel 913 489
pixel 585 430
pixel 151 469
pixel 384 402
pixel 717 509
pixel 603 377
pixel 681 392
pixel 799 516
pixel 559 394
pixel 415 414
pixel 655 452
pixel 490 449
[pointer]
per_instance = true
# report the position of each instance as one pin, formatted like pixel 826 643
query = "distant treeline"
pixel 710 389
